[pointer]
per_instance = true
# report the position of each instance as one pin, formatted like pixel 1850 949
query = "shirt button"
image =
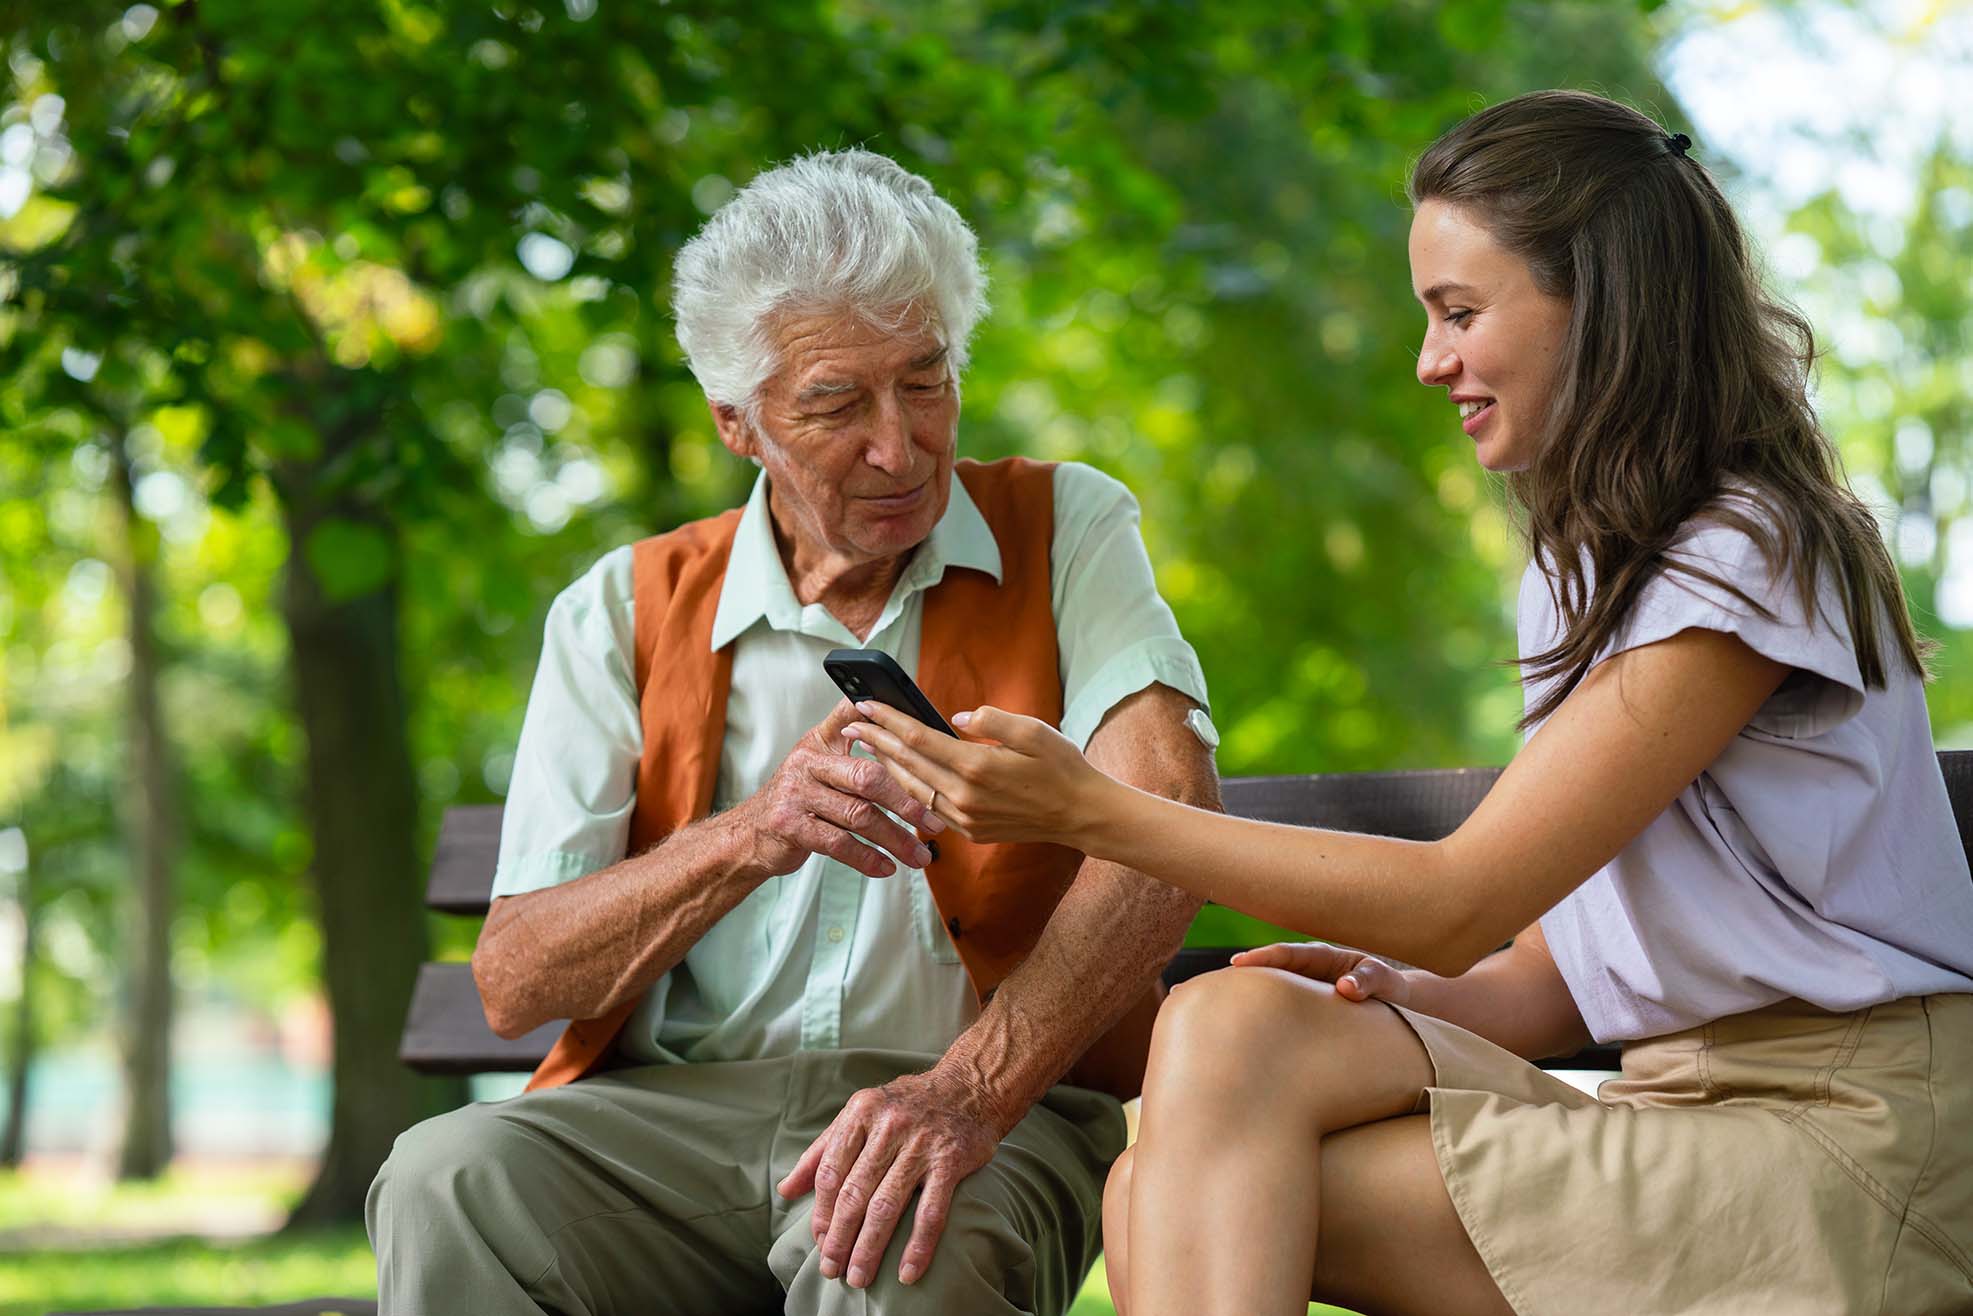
pixel 835 934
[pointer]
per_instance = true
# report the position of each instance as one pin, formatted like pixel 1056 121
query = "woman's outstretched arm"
pixel 1638 730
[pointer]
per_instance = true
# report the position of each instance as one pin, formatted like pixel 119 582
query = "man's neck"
pixel 854 590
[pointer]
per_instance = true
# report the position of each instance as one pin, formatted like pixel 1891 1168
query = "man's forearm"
pixel 579 950
pixel 1110 936
pixel 1113 932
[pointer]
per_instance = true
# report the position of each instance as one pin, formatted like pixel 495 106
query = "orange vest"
pixel 981 643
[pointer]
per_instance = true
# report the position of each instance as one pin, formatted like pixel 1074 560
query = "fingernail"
pixel 830 1269
pixel 961 719
pixel 907 1274
pixel 866 707
pixel 924 856
pixel 858 1278
pixel 934 823
pixel 1354 985
pixel 849 733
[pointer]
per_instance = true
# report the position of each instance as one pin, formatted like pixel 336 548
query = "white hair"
pixel 835 229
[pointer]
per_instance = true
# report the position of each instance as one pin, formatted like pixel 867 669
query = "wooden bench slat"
pixel 446 1032
pixel 1412 806
pixel 445 1029
pixel 1956 765
pixel 463 860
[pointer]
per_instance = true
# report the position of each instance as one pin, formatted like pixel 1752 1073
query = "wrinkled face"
pixel 857 434
pixel 1493 339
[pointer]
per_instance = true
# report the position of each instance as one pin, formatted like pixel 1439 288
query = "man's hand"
pixel 820 800
pixel 919 1130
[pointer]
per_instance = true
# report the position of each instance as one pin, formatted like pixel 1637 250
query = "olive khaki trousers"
pixel 651 1190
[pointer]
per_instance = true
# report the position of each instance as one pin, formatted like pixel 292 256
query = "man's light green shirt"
pixel 823 958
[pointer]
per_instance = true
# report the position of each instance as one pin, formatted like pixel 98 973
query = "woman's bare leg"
pixel 1250 1068
pixel 1116 1230
pixel 1390 1241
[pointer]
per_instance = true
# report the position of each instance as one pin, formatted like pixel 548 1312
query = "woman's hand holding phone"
pixel 1009 778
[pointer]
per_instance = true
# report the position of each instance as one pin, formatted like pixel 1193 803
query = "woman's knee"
pixel 1236 1019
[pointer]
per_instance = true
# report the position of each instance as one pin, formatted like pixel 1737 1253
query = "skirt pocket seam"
pixel 1845 1053
pixel 1794 1116
pixel 1921 1224
pixel 1706 1083
pixel 1912 1218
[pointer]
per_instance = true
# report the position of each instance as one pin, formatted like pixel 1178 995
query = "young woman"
pixel 1726 842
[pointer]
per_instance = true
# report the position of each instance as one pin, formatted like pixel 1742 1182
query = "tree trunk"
pixel 20 1055
pixel 362 807
pixel 151 823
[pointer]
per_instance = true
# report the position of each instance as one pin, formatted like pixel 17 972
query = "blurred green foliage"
pixel 1894 304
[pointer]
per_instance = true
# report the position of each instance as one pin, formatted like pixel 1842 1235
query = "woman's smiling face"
pixel 1493 339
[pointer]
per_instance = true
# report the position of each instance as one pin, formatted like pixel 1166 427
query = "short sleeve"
pixel 1826 688
pixel 1116 633
pixel 575 770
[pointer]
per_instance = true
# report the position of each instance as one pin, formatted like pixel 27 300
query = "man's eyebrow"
pixel 1438 291
pixel 827 388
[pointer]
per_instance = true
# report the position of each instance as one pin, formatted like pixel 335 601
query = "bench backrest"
pixel 445 1029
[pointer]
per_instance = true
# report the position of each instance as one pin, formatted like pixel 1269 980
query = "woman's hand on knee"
pixel 1357 977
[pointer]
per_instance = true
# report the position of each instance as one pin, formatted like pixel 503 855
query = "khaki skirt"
pixel 1786 1161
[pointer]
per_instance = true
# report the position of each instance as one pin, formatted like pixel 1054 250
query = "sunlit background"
pixel 375 301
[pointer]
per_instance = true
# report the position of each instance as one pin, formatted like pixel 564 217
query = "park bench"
pixel 445 1029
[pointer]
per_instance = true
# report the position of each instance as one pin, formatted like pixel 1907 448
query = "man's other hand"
pixel 919 1131
pixel 821 800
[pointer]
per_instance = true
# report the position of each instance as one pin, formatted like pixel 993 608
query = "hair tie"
pixel 1678 144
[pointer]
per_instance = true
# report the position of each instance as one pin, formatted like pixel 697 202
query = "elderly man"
pixel 798 1016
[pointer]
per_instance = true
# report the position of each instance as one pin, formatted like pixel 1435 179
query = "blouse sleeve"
pixel 1826 687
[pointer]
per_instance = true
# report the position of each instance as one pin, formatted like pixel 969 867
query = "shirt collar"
pixel 756 585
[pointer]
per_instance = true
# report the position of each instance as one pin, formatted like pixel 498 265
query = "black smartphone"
pixel 873 674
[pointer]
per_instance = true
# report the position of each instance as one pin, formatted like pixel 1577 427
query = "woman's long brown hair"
pixel 1683 388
